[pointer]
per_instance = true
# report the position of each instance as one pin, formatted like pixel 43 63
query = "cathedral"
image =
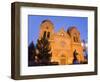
pixel 64 44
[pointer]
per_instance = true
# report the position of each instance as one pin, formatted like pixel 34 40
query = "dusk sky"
pixel 34 22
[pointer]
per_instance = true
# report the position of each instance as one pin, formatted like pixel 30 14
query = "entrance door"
pixel 63 60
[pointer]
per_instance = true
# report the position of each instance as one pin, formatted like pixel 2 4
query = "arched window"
pixel 48 35
pixel 75 38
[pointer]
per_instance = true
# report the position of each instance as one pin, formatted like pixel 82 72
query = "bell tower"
pixel 46 29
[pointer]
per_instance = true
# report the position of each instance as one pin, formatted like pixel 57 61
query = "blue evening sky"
pixel 34 22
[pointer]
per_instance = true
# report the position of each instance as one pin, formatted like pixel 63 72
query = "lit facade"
pixel 63 43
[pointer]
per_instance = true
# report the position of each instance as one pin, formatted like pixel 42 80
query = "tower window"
pixel 48 35
pixel 77 39
pixel 74 39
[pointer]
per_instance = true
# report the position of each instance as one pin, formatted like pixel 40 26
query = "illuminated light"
pixel 82 44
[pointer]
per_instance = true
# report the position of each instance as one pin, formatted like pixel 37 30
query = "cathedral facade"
pixel 63 43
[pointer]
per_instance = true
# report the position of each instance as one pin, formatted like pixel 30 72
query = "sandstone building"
pixel 63 43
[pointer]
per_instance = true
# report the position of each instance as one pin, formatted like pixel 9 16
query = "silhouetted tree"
pixel 43 48
pixel 31 54
pixel 75 57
